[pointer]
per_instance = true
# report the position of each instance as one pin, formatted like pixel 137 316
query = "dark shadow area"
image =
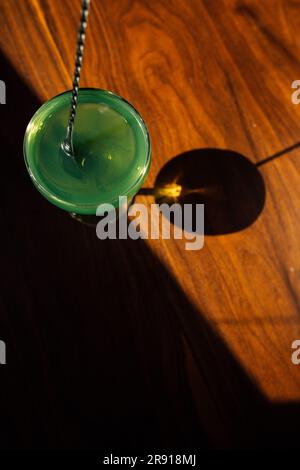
pixel 98 334
pixel 227 183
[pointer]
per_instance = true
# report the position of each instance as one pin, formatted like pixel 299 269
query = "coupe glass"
pixel 111 152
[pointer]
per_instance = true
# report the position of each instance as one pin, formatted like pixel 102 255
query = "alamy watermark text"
pixel 152 223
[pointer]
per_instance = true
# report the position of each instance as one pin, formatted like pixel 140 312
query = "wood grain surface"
pixel 142 344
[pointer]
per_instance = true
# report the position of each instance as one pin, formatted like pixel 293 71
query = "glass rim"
pixel 88 208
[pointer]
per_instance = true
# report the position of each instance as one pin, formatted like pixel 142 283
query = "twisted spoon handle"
pixel 68 142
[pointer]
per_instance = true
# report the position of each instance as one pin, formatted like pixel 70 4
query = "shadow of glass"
pixel 230 185
pixel 98 335
pixel 227 183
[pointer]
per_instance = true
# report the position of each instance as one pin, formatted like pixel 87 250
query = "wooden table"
pixel 143 344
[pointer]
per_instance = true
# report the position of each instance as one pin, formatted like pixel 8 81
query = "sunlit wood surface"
pixel 142 343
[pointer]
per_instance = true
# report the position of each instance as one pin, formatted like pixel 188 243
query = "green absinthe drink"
pixel 111 151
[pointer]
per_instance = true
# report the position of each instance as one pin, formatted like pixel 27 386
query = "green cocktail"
pixel 111 151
